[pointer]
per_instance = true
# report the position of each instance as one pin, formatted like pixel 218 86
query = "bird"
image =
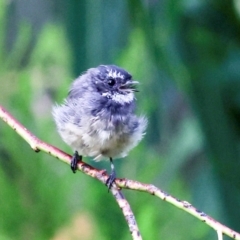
pixel 97 119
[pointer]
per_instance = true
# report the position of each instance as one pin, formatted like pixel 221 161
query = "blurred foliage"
pixel 185 54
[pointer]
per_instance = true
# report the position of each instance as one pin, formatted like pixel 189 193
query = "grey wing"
pixel 66 113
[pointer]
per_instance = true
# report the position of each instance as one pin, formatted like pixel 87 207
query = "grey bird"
pixel 97 119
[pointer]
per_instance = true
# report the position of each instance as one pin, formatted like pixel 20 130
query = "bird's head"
pixel 114 83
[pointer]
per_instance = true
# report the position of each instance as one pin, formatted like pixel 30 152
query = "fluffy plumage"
pixel 97 118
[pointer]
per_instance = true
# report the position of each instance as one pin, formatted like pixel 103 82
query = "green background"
pixel 185 54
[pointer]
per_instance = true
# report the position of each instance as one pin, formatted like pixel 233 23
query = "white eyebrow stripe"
pixel 115 74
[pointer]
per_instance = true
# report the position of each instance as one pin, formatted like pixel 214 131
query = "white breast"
pixel 94 139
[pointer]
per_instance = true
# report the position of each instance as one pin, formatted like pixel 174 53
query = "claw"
pixel 112 176
pixel 75 160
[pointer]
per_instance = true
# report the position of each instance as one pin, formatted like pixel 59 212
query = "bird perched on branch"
pixel 97 118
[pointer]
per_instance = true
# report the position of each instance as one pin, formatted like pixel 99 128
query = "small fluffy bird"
pixel 97 118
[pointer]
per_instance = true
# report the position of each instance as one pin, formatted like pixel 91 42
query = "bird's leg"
pixel 75 160
pixel 112 176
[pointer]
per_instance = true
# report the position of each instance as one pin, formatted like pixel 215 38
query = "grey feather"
pixel 97 118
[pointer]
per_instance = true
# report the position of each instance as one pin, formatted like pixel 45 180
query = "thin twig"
pixel 184 205
pixel 102 176
pixel 127 212
pixel 37 145
pixel 220 235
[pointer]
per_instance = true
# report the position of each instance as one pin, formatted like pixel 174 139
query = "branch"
pixel 102 176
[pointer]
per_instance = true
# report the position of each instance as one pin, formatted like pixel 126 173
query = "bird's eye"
pixel 111 82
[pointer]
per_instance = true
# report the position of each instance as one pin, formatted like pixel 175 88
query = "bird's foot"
pixel 75 160
pixel 111 180
pixel 112 176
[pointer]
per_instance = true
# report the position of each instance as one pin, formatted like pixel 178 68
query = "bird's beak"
pixel 129 86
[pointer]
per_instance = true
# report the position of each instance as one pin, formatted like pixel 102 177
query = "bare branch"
pixel 37 145
pixel 220 235
pixel 102 176
pixel 127 212
pixel 184 205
